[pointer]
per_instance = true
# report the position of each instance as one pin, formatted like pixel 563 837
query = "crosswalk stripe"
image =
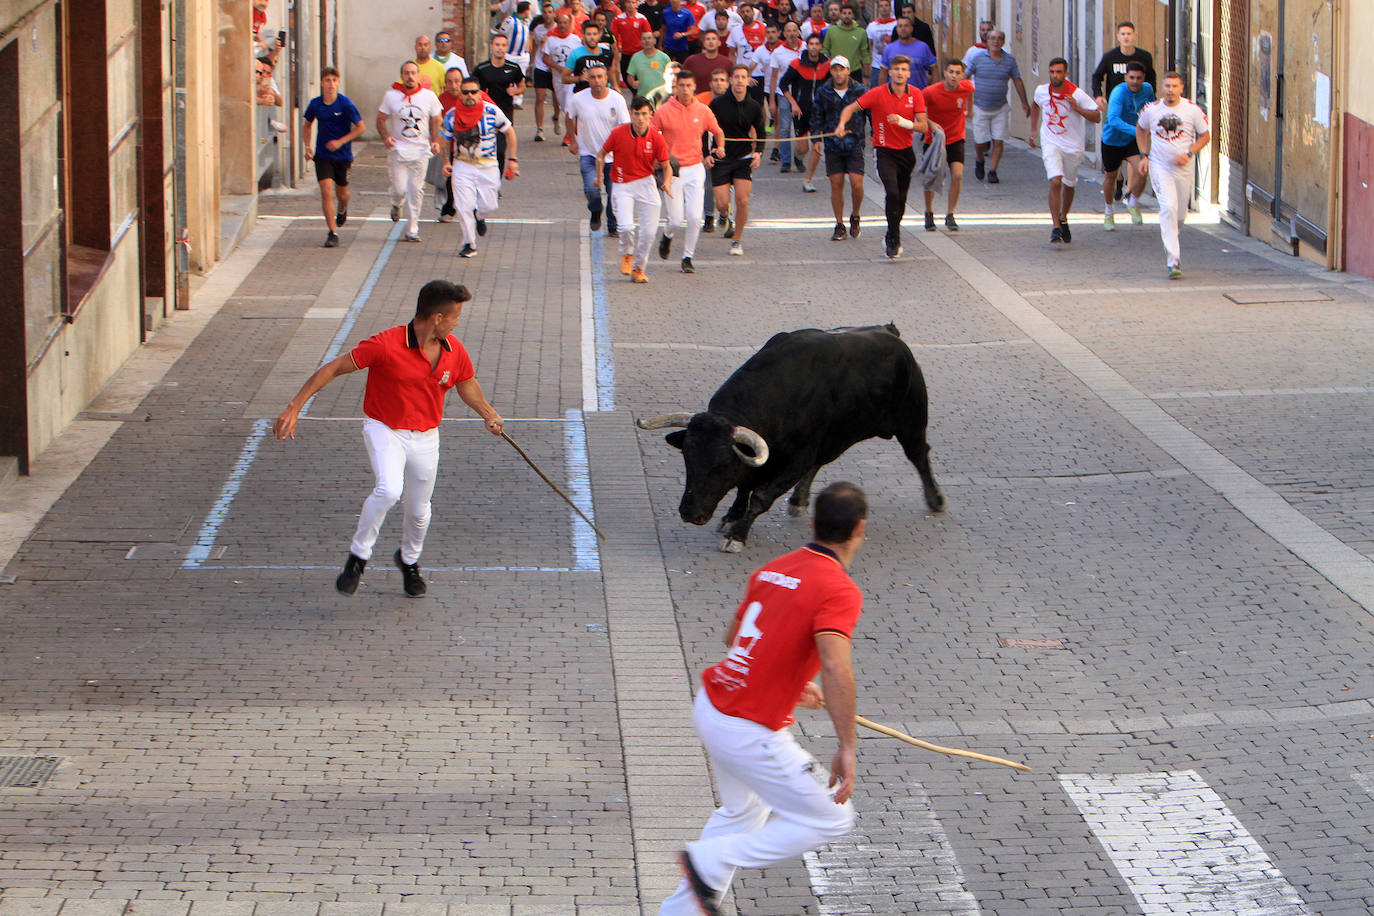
pixel 918 873
pixel 1178 847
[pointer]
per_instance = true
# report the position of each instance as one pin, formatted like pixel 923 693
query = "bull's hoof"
pixel 935 500
pixel 796 511
pixel 726 524
pixel 730 545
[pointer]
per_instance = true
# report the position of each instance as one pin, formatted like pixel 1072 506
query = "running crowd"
pixel 669 109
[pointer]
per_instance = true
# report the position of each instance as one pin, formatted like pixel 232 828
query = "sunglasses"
pixel 444 41
pixel 471 91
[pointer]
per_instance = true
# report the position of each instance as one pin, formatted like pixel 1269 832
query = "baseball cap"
pixel 839 60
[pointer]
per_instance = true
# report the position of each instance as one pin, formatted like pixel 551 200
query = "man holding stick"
pixel 410 369
pixel 796 619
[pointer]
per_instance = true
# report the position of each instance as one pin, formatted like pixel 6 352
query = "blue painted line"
pixel 605 352
pixel 586 552
pixel 209 529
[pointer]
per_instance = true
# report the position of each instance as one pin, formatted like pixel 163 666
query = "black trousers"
pixel 894 170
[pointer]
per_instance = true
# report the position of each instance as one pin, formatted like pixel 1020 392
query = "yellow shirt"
pixel 433 71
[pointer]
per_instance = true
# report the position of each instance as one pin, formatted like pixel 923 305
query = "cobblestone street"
pixel 1166 487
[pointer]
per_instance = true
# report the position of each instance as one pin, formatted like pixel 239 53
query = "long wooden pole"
pixel 939 749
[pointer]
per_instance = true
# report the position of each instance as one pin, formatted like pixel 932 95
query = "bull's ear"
pixel 675 439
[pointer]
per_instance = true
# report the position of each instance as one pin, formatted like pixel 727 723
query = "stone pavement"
pixel 1166 486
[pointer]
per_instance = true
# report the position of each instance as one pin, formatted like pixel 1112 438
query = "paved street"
pixel 1167 486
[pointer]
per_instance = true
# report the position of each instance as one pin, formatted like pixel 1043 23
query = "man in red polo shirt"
pixel 410 369
pixel 627 27
pixel 948 104
pixel 796 619
pixel 637 150
pixel 898 113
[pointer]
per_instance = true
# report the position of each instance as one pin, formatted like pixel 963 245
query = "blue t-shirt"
pixel 990 79
pixel 1123 112
pixel 673 25
pixel 922 58
pixel 335 121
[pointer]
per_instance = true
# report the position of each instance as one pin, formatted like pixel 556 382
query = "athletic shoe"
pixel 1109 222
pixel 539 135
pixel 786 167
pixel 854 226
pixel 687 267
pixel 978 170
pixel 467 251
pixel 445 217
pixel 518 102
pixel 705 895
pixel 665 245
pixel 557 126
pixel 1175 272
pixel 1056 235
pixel 809 187
pixel 950 224
pixel 1134 210
pixel 626 262
pixel 595 222
pixel 411 237
pixel 347 582
pixel 992 177
pixel 481 226
pixel 395 213
pixel 930 222
pixel 332 241
pixel 708 224
pixel 798 163
pixel 727 227
pixel 612 233
pixel 637 276
pixel 839 235
pixel 736 248
pixel 410 577
pixel 1068 235
pixel 775 156
pixel 892 248
pixel 341 218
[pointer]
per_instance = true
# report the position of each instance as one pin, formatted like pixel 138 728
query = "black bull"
pixel 795 406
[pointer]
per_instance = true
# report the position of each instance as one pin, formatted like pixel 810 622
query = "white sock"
pixel 1132 201
pixel 1109 209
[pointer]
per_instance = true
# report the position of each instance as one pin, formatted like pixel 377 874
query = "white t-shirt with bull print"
pixel 1173 129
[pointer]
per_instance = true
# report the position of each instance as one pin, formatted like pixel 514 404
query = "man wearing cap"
pixel 844 156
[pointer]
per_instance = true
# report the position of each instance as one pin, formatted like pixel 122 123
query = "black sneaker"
pixel 665 245
pixel 839 235
pixel 978 170
pixel 705 894
pixel 595 222
pixel 854 226
pixel 347 582
pixel 891 247
pixel 1068 236
pixel 341 218
pixel 799 163
pixel 687 267
pixel 930 222
pixel 481 226
pixel 467 251
pixel 786 167
pixel 612 232
pixel 950 224
pixel 410 576
pixel 992 177
pixel 727 227
pixel 775 156
pixel 395 213
pixel 332 241
pixel 708 224
pixel 1056 235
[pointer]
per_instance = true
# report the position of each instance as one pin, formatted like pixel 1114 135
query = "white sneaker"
pixel 808 187
pixel 736 248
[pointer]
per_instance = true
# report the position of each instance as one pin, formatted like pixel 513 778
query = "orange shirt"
pixel 682 126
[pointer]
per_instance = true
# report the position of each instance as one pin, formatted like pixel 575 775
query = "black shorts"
pixel 1113 156
pixel 801 124
pixel 726 171
pixel 755 91
pixel 543 79
pixel 848 162
pixel 335 170
pixel 954 152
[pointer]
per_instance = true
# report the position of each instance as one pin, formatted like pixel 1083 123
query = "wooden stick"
pixel 553 485
pixel 952 751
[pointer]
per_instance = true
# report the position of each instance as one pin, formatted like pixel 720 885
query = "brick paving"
pixel 237 738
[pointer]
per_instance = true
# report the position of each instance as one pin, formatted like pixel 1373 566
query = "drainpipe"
pixel 182 248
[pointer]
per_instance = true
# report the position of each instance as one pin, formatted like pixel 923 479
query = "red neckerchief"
pixel 407 92
pixel 467 117
pixel 1068 90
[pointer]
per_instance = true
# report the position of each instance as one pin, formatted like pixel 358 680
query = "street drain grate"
pixel 26 772
pixel 1018 642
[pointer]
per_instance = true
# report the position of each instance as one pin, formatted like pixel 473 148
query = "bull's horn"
pixel 665 421
pixel 743 435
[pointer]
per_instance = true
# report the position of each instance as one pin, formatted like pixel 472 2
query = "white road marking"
pixel 1178 847
pixel 1365 779
pixel 855 875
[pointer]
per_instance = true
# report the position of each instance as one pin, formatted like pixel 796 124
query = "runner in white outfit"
pixel 1170 133
pixel 408 123
pixel 476 179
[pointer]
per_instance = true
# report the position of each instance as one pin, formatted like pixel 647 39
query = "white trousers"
pixel 408 188
pixel 1173 187
pixel 774 803
pixel 474 188
pixel 405 463
pixel 684 208
pixel 636 206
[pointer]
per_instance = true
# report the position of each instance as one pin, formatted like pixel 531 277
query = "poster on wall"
pixel 1035 37
pixel 1020 31
pixel 1264 53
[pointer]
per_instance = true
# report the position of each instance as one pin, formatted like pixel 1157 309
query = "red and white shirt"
pixel 403 390
pixel 949 109
pixel 881 102
pixel 627 29
pixel 635 157
pixel 787 604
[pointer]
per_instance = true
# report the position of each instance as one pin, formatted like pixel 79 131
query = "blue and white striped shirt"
pixel 518 31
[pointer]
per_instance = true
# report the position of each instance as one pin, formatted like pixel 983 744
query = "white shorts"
pixel 991 124
pixel 1060 163
pixel 562 93
pixel 520 60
